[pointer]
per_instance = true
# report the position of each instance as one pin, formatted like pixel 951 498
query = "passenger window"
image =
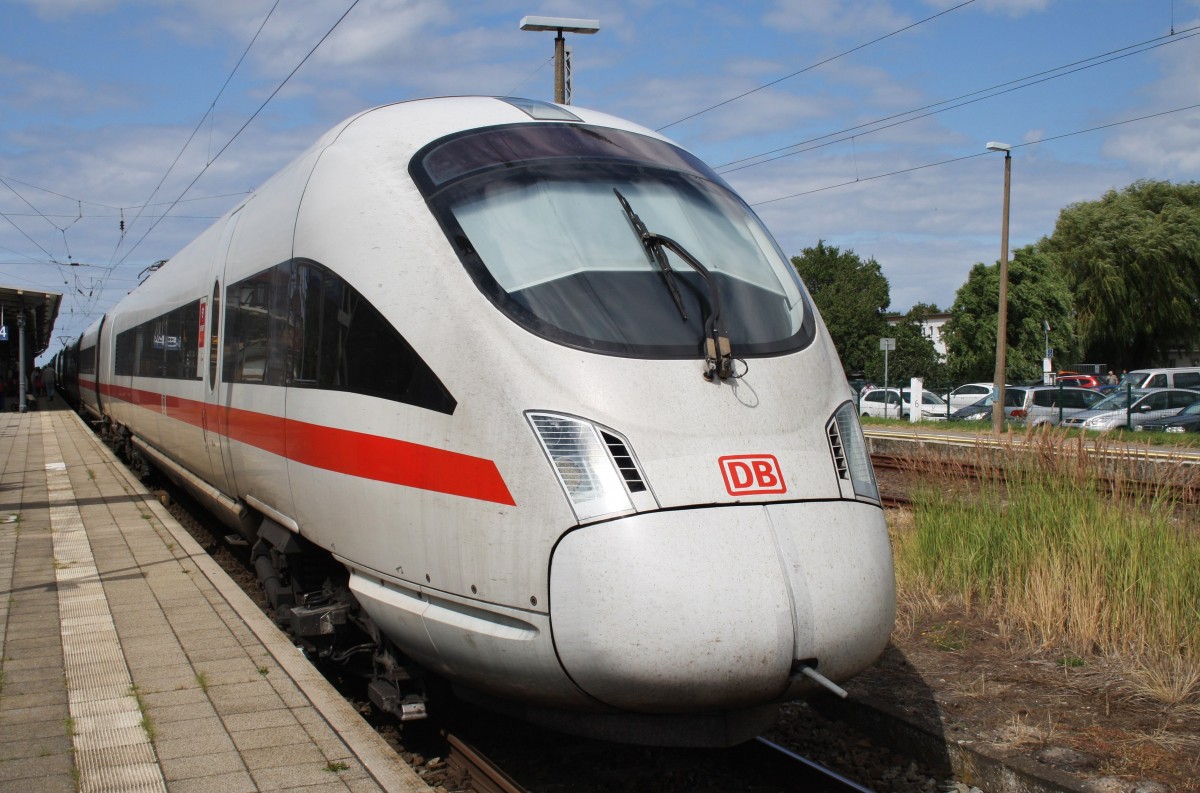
pixel 1187 379
pixel 87 360
pixel 1180 399
pixel 1158 381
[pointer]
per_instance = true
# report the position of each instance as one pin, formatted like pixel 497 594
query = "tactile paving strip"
pixel 112 751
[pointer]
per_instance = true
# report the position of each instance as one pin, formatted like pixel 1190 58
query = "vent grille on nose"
pixel 838 449
pixel 625 464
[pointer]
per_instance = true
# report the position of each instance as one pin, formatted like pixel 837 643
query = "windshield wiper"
pixel 719 358
pixel 655 253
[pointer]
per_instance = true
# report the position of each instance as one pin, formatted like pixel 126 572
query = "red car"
pixel 1079 380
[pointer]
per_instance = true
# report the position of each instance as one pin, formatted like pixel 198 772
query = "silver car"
pixel 1118 409
pixel 1050 404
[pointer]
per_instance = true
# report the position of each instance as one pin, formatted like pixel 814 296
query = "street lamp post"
pixel 560 25
pixel 1002 309
pixel 1046 361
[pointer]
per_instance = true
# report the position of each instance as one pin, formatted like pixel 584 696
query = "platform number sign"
pixel 3 332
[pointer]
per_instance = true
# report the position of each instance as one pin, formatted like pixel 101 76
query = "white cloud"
pixel 1166 144
pixel 1011 8
pixel 835 17
pixel 1160 147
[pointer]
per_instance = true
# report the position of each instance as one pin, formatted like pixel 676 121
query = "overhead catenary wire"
pixel 830 59
pixel 513 91
pixel 229 142
pixel 1037 142
pixel 1025 82
pixel 241 129
pixel 211 108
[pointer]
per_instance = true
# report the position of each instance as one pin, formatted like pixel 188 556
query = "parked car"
pixel 1177 377
pixel 969 394
pixel 976 411
pixel 881 403
pixel 933 407
pixel 1049 404
pixel 1137 407
pixel 896 403
pixel 1186 420
pixel 1079 380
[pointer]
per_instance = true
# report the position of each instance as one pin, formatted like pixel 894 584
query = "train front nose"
pixel 709 608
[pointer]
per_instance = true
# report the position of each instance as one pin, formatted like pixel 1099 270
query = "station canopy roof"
pixel 41 310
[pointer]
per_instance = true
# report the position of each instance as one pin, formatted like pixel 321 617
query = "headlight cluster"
pixel 849 449
pixel 594 465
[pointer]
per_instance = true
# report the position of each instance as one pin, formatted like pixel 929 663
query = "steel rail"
pixel 1182 493
pixel 829 780
pixel 485 776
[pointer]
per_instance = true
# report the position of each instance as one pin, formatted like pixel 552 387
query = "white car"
pixel 969 394
pixel 933 407
pixel 895 403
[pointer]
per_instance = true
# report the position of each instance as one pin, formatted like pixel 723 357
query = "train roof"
pixel 426 120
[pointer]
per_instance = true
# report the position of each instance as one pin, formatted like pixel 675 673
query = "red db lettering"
pixel 764 474
pixel 751 474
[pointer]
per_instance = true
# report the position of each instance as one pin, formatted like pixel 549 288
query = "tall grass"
pixel 1053 543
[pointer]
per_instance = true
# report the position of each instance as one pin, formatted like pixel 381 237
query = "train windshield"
pixel 531 212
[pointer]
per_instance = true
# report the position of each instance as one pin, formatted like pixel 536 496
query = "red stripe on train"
pixel 347 452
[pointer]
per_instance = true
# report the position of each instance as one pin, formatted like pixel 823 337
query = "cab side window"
pixel 302 325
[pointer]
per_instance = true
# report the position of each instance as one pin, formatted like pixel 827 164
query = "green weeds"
pixel 146 722
pixel 1073 546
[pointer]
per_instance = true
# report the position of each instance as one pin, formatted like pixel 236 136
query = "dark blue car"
pixel 1186 420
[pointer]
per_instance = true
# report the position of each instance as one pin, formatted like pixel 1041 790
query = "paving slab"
pixel 131 661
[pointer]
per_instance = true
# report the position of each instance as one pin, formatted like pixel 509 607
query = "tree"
pixel 852 296
pixel 1132 260
pixel 915 355
pixel 1037 293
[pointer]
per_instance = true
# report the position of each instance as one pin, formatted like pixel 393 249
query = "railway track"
pixel 1137 476
pixel 804 773
pixel 497 755
pixel 483 775
pixel 777 765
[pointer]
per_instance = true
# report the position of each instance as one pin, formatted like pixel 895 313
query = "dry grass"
pixel 1071 545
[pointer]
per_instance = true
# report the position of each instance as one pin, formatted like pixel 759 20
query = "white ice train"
pixel 528 393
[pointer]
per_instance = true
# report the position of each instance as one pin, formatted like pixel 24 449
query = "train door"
pixel 214 416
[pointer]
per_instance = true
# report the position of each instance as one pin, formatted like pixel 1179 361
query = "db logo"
pixel 751 474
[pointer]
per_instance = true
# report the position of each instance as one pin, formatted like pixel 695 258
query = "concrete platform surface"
pixel 130 662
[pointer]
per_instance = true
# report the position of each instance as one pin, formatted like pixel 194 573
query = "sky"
pixel 862 123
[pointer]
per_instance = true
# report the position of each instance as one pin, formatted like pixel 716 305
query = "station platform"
pixel 129 661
